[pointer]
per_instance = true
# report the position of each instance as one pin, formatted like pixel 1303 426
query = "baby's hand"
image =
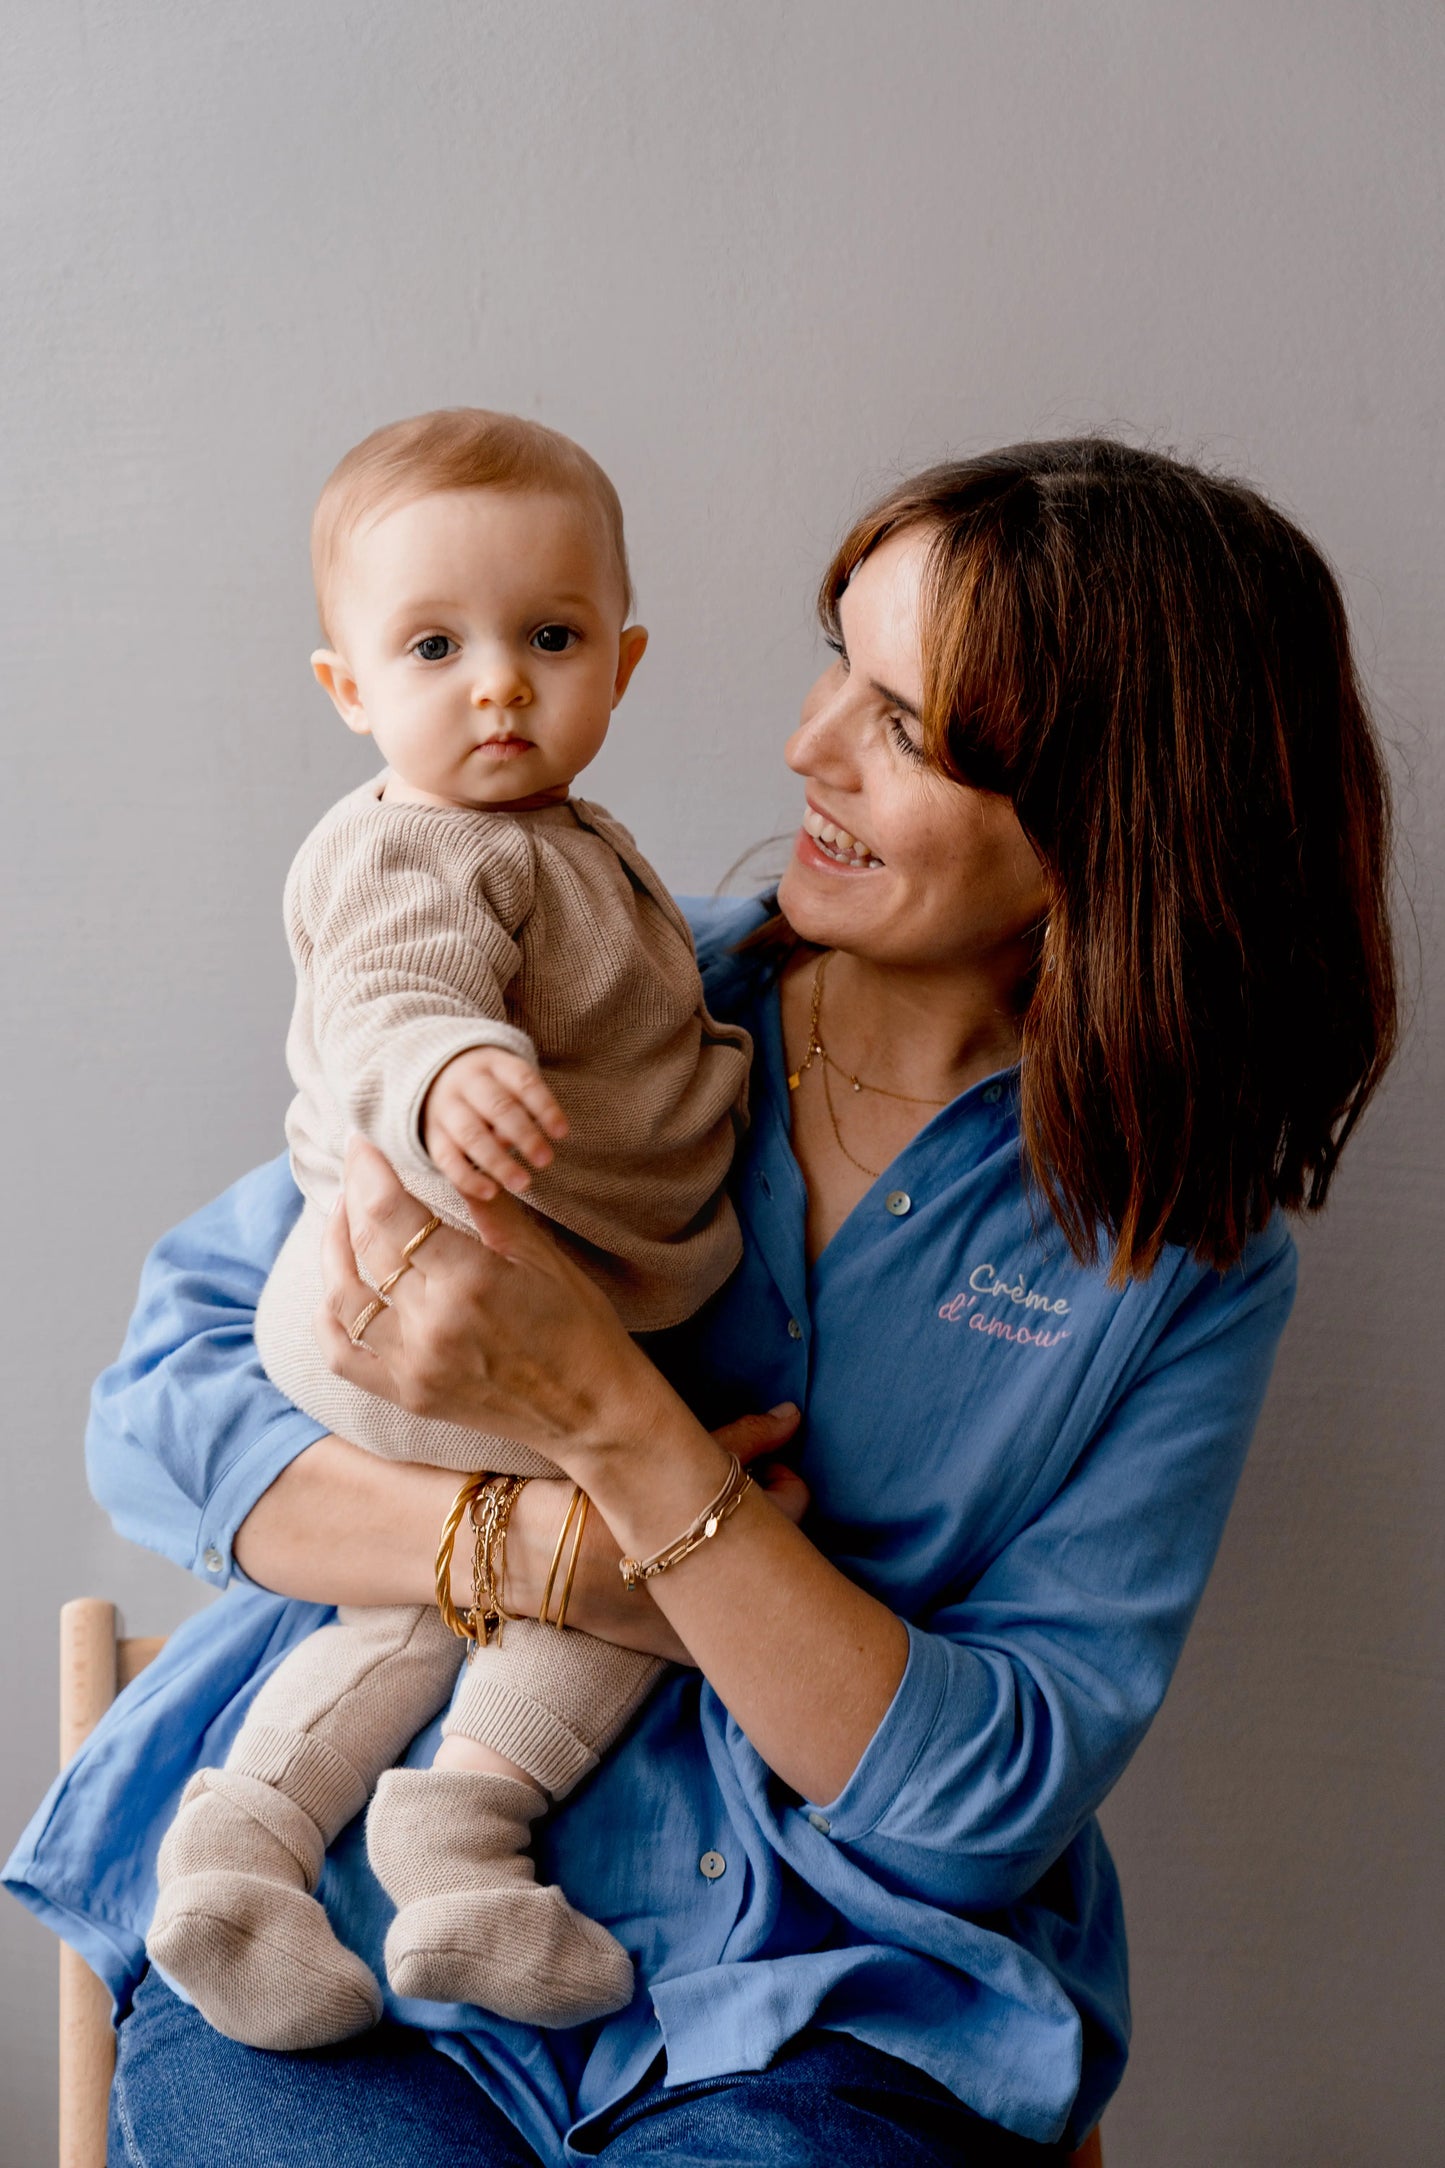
pixel 483 1107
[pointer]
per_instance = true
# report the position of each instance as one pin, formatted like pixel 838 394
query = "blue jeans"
pixel 184 2094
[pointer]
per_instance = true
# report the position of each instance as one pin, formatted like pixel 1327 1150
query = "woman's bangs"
pixel 974 721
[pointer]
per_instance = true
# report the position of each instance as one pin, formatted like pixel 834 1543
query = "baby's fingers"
pixel 468 1171
pixel 499 1112
pixel 524 1083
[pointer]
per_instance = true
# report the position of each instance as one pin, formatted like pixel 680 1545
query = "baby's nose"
pixel 500 684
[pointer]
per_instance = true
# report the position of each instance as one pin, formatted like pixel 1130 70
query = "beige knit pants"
pixel 237 1924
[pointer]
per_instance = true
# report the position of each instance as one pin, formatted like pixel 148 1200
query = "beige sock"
pixel 473 1923
pixel 235 1924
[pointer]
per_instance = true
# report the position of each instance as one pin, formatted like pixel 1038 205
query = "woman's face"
pixel 896 862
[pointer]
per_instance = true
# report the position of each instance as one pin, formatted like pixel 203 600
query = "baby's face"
pixel 481 643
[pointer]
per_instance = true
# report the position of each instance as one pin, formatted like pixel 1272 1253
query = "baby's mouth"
pixel 836 843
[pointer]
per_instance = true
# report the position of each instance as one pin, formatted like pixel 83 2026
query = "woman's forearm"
pixel 804 1661
pixel 340 1525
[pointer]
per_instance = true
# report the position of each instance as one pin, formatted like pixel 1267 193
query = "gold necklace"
pixel 818 1052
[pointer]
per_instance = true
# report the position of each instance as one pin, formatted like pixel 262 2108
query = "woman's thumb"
pixel 752 1435
pixel 505 1227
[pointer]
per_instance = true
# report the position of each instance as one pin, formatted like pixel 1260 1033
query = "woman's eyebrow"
pixel 896 700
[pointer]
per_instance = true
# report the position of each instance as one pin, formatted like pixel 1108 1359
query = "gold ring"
pixel 368 1316
pixel 423 1234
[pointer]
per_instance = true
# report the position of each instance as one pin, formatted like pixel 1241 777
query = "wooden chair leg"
pixel 87 2043
pixel 87 2062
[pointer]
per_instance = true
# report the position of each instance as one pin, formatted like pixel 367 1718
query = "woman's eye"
pixel 837 648
pixel 903 740
pixel 434 648
pixel 553 639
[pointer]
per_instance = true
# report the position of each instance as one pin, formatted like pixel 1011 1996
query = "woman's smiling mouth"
pixel 835 843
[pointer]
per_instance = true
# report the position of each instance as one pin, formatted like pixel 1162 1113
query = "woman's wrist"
pixel 651 1482
pixel 613 1422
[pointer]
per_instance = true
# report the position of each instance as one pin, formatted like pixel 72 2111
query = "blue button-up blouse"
pixel 1032 1468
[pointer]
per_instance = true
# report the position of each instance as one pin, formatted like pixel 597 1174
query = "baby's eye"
pixel 553 639
pixel 435 647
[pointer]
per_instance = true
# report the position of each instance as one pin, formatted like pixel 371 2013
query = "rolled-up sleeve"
pixel 186 1430
pixel 1024 1698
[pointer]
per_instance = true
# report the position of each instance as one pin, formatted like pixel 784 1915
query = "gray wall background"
pixel 758 256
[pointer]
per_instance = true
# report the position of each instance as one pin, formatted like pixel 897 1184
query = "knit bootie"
pixel 473 1923
pixel 235 1924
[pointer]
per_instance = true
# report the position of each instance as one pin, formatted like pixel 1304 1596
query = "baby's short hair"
pixel 454 448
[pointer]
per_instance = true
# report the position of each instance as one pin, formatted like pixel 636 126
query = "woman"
pixel 1080 975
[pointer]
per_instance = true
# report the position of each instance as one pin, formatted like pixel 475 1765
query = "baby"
pixel 486 968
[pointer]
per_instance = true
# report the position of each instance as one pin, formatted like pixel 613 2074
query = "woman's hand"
pixel 504 1334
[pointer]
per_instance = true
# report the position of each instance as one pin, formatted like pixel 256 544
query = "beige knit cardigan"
pixel 420 931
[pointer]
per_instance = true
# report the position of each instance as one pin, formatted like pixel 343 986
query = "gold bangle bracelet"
pixel 572 1504
pixel 460 1622
pixel 586 1508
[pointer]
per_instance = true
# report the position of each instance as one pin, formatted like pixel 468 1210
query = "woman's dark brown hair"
pixel 1154 666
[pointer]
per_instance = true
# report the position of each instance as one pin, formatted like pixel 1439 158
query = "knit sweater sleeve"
pixel 401 922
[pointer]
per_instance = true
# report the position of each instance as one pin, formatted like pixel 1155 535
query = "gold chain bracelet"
pixel 487 1502
pixel 635 1571
pixel 490 1511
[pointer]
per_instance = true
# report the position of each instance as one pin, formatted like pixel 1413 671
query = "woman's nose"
pixel 822 743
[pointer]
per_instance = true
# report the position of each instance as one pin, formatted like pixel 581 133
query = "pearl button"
pixel 214 1563
pixel 898 1202
pixel 795 1330
pixel 821 1823
pixel 712 1864
pixel 993 1095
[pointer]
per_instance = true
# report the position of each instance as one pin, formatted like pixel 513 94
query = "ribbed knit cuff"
pixel 529 1735
pixel 311 1774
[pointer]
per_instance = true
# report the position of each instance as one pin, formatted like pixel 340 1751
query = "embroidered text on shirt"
pixel 984 1285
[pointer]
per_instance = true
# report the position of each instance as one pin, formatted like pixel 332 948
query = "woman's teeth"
pixel 836 843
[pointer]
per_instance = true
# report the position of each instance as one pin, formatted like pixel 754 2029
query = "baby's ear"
pixel 335 679
pixel 631 647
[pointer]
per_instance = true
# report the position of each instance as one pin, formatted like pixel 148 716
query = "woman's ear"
pixel 631 646
pixel 333 675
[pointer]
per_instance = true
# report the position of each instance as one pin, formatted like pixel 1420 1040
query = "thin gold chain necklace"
pixel 818 1052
